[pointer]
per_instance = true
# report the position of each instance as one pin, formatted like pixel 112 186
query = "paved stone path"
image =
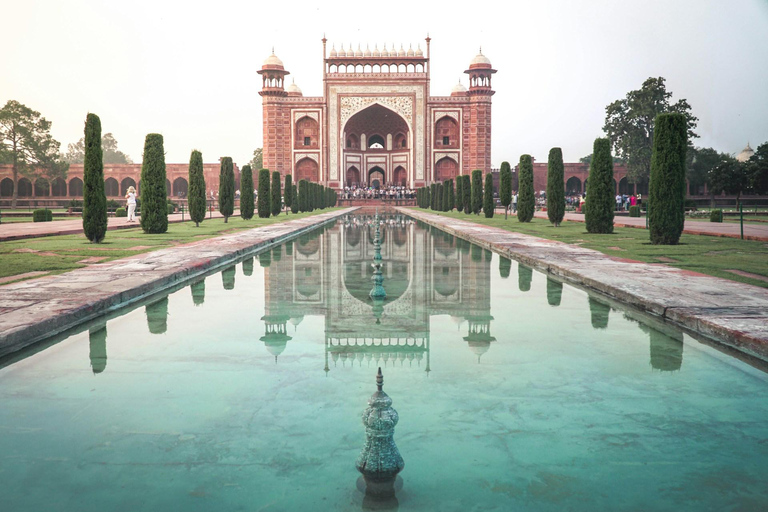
pixel 734 314
pixel 692 227
pixel 38 308
pixel 21 230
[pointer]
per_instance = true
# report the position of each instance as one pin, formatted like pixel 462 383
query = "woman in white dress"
pixel 131 197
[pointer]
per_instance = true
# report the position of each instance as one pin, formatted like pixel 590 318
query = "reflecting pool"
pixel 244 391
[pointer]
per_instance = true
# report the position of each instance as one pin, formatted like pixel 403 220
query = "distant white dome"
pixel 458 88
pixel 272 61
pixel 293 90
pixel 480 60
pixel 745 154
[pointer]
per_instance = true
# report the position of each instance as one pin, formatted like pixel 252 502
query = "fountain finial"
pixel 379 379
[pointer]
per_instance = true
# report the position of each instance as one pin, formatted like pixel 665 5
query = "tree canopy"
pixel 76 152
pixel 629 125
pixel 257 162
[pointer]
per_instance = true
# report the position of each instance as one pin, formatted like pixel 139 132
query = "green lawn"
pixel 706 254
pixel 56 254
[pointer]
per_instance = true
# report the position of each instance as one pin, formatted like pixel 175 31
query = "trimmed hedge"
pixel 667 185
pixel 634 211
pixel 121 212
pixel 716 215
pixel 43 215
pixel 172 208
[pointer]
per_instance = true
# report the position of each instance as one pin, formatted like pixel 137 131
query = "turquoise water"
pixel 244 392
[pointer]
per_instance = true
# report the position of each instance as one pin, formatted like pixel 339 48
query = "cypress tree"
pixel 601 200
pixel 263 194
pixel 154 209
pixel 467 190
pixel 555 187
pixel 666 217
pixel 288 191
pixel 488 205
pixel 526 202
pixel 452 189
pixel 295 199
pixel 459 193
pixel 197 188
pixel 94 197
pixel 433 196
pixel 477 191
pixel 246 193
pixel 226 188
pixel 440 194
pixel 446 197
pixel 505 186
pixel 303 199
pixel 276 200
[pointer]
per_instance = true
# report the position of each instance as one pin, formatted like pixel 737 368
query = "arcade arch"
pixel 307 169
pixel 446 169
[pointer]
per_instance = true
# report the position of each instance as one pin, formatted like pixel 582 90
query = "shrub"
pixel 112 204
pixel 226 188
pixel 196 188
pixel 477 191
pixel 263 194
pixel 75 203
pixel 154 212
pixel 634 211
pixel 667 185
pixel 246 193
pixel 121 212
pixel 505 186
pixel 172 208
pixel 288 192
pixel 276 196
pixel 716 215
pixel 526 202
pixel 94 197
pixel 555 187
pixel 598 213
pixel 43 215
pixel 488 203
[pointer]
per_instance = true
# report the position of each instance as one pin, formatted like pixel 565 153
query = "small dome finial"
pixel 379 379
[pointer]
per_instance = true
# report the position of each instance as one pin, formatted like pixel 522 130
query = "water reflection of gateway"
pixel 329 272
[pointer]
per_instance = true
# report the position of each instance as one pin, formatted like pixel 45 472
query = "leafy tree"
pixel 477 191
pixel 588 160
pixel 76 152
pixel 526 201
pixel 26 143
pixel 701 162
pixel 226 188
pixel 196 188
pixel 263 194
pixel 467 190
pixel 295 199
pixel 459 193
pixel 246 193
pixel 288 191
pixel 257 162
pixel 629 124
pixel 729 176
pixel 757 168
pixel 488 206
pixel 276 201
pixel 667 188
pixel 598 212
pixel 505 186
pixel 94 197
pixel 154 209
pixel 555 187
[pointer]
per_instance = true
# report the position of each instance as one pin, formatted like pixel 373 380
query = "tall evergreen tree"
pixel 94 197
pixel 288 191
pixel 601 202
pixel 666 215
pixel 440 195
pixel 303 196
pixel 526 201
pixel 246 192
pixel 459 193
pixel 262 197
pixel 446 196
pixel 295 199
pixel 467 191
pixel 433 196
pixel 555 187
pixel 477 191
pixel 197 188
pixel 488 202
pixel 226 188
pixel 276 201
pixel 505 186
pixel 452 199
pixel 154 209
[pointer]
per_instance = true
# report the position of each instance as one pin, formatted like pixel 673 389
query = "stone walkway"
pixel 38 308
pixel 732 313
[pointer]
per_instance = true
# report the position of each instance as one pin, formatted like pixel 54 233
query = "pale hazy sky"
pixel 188 69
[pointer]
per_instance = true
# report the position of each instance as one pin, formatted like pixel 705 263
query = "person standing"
pixel 131 197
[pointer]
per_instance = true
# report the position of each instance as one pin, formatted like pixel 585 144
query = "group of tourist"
pixel 389 192
pixel 624 201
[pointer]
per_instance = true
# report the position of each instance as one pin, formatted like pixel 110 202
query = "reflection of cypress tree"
pixel 277 253
pixel 488 254
pixel 228 278
pixel 198 292
pixel 289 248
pixel 524 277
pixel 98 353
pixel 666 351
pixel 463 246
pixel 599 312
pixel 265 259
pixel 554 292
pixel 248 266
pixel 157 316
pixel 477 253
pixel 505 266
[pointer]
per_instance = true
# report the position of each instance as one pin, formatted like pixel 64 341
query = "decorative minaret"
pixel 380 460
pixel 480 93
pixel 276 154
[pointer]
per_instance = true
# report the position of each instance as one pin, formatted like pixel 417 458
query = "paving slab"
pixel 730 313
pixel 38 308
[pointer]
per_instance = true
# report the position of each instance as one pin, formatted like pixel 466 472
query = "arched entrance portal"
pixel 307 169
pixel 573 186
pixel 376 177
pixel 353 176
